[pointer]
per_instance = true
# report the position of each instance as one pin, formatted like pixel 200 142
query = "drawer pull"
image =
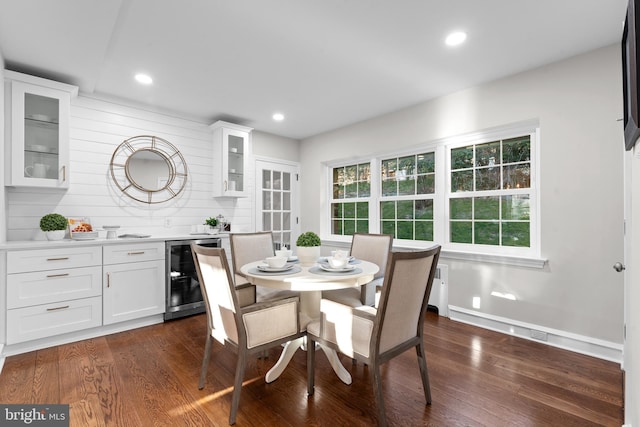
pixel 58 308
pixel 136 253
pixel 58 275
pixel 58 259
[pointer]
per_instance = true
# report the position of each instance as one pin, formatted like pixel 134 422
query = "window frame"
pixel 442 149
pixel 532 191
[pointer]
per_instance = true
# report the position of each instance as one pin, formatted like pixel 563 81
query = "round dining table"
pixel 310 281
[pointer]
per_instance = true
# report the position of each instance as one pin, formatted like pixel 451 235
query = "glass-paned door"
pixel 277 201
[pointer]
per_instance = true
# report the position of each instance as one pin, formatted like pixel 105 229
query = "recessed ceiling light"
pixel 278 117
pixel 454 39
pixel 144 79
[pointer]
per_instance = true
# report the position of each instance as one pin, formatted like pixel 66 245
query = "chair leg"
pixel 205 361
pixel 377 392
pixel 237 386
pixel 311 360
pixel 422 362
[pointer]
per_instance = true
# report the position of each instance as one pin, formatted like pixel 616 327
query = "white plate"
pixel 267 269
pixel 292 258
pixel 327 267
pixel 87 235
pixel 38 148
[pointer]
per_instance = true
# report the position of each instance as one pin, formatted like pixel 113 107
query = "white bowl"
pixel 340 254
pixel 338 262
pixel 276 261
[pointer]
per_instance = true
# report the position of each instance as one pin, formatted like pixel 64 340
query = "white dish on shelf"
pixel 38 148
pixel 40 117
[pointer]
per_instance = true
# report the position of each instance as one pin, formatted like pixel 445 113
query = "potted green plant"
pixel 211 224
pixel 54 226
pixel 308 247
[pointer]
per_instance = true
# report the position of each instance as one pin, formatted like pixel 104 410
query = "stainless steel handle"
pixel 136 253
pixel 225 186
pixel 58 275
pixel 64 173
pixel 57 308
pixel 619 267
pixel 58 259
pixel 108 280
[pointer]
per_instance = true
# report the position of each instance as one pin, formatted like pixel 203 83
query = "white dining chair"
pixel 369 247
pixel 375 336
pixel 251 247
pixel 246 330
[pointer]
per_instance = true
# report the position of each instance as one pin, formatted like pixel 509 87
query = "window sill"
pixel 511 260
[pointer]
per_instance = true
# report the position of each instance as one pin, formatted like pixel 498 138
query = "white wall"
pixel 577 102
pixel 276 147
pixel 97 128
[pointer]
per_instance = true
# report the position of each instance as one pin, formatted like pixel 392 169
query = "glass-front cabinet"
pixel 231 144
pixel 37 129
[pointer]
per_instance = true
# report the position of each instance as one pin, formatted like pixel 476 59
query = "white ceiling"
pixel 323 63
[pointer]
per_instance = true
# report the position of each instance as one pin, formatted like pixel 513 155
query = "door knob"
pixel 618 266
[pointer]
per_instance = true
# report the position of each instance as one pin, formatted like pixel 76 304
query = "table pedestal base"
pixel 290 349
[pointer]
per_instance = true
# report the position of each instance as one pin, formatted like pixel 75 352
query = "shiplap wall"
pixel 97 128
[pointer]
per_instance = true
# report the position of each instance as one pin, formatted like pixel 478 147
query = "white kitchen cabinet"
pixel 37 131
pixel 52 292
pixel 231 146
pixel 133 281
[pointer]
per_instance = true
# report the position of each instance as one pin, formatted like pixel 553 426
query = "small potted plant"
pixel 308 247
pixel 54 226
pixel 211 223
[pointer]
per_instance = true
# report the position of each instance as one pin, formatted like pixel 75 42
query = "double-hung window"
pixel 472 194
pixel 490 194
pixel 407 196
pixel 351 192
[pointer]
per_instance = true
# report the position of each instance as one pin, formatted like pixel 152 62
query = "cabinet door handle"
pixel 136 253
pixel 225 186
pixel 108 280
pixel 58 275
pixel 57 308
pixel 64 173
pixel 58 259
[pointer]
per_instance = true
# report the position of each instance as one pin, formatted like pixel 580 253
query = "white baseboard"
pixel 566 340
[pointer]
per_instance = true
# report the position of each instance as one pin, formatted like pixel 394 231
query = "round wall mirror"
pixel 148 169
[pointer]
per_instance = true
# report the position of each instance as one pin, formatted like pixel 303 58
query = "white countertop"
pixel 46 244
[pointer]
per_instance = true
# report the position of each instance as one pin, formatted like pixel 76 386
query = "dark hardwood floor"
pixel 149 376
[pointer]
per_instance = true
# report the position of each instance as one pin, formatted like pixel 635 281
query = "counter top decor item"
pixel 308 248
pixel 54 226
pixel 81 229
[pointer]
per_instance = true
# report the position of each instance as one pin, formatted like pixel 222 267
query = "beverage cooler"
pixel 183 289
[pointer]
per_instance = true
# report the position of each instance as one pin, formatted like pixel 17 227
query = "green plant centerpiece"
pixel 54 226
pixel 211 222
pixel 308 248
pixel 308 239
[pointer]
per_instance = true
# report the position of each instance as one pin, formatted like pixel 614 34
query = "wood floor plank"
pixel 149 377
